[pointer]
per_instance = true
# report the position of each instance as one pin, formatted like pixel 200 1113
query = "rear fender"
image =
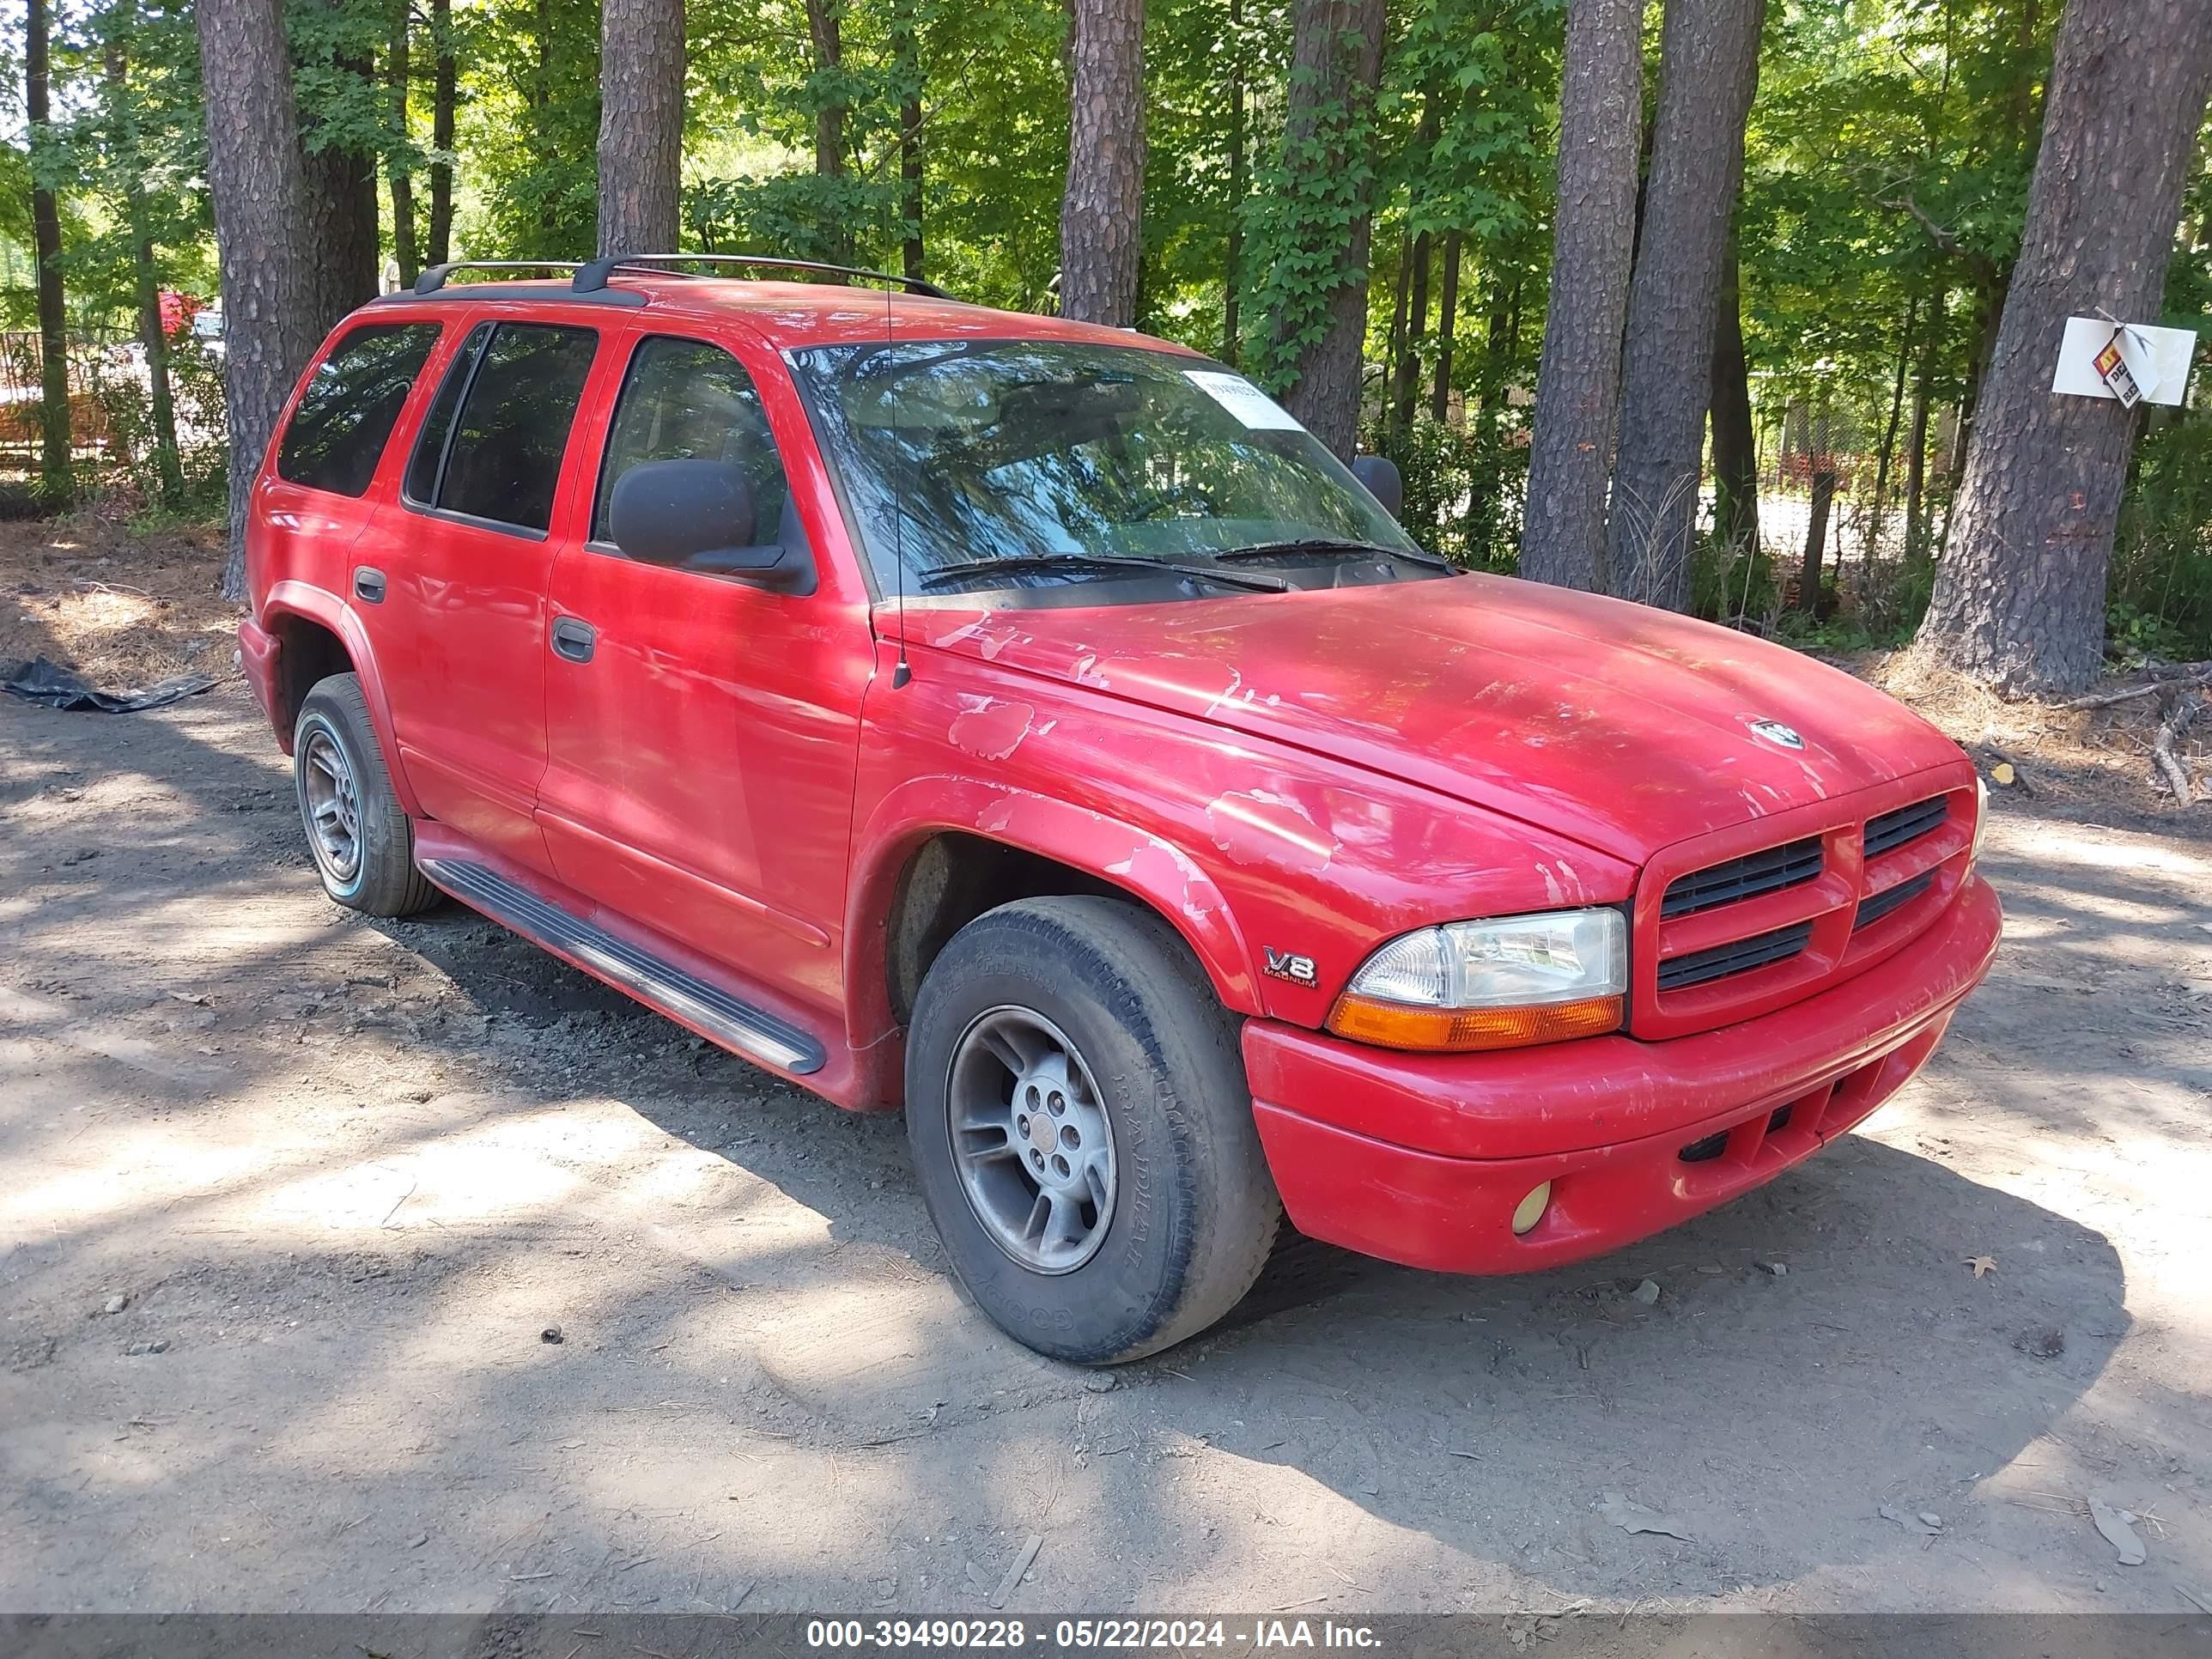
pixel 316 605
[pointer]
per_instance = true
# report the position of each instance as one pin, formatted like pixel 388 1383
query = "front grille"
pixel 1768 871
pixel 1892 829
pixel 1872 910
pixel 1736 956
pixel 1727 926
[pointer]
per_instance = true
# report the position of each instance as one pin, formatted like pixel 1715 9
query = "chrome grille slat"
pixel 1768 871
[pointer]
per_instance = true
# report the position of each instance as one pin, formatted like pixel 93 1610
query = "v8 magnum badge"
pixel 1288 964
pixel 1783 736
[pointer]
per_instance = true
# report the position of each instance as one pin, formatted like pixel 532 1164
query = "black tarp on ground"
pixel 44 682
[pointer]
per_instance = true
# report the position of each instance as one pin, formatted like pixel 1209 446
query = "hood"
pixel 1625 727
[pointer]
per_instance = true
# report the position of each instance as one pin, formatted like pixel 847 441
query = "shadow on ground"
pixel 765 1378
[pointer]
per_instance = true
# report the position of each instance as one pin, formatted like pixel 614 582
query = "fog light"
pixel 1530 1210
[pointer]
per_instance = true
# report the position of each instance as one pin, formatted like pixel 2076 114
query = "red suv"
pixel 1029 725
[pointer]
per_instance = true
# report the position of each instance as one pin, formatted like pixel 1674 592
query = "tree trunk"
pixel 340 221
pixel 399 72
pixel 254 177
pixel 1394 341
pixel 1579 381
pixel 541 118
pixel 146 293
pixel 1710 66
pixel 2020 596
pixel 825 29
pixel 1816 531
pixel 1735 445
pixel 56 482
pixel 1408 391
pixel 1994 284
pixel 1101 228
pixel 1232 259
pixel 444 92
pixel 1916 456
pixel 1447 324
pixel 1336 61
pixel 340 224
pixel 1495 328
pixel 1881 470
pixel 906 53
pixel 640 126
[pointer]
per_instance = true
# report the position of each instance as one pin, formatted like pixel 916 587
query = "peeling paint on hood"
pixel 1624 727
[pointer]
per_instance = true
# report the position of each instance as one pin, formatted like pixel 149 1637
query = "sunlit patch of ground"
pixel 121 608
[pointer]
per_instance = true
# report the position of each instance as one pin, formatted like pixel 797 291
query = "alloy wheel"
pixel 333 803
pixel 1032 1139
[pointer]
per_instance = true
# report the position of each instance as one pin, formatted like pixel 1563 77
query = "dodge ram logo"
pixel 1776 733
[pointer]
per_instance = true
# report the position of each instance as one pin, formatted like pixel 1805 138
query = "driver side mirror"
pixel 1379 473
pixel 698 515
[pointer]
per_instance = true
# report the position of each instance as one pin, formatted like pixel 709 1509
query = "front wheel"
pixel 1083 1131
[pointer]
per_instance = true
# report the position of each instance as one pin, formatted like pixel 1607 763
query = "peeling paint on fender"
pixel 990 730
pixel 1259 826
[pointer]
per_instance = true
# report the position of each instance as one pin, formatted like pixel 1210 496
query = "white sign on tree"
pixel 2133 363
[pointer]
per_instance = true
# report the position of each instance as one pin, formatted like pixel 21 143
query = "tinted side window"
pixel 345 416
pixel 687 400
pixel 420 485
pixel 503 460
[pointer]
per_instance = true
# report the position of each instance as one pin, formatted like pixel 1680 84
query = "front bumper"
pixel 1421 1159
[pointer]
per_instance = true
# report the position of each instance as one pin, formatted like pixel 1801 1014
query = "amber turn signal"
pixel 1456 1030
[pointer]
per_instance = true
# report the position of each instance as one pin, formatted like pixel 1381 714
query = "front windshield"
pixel 954 452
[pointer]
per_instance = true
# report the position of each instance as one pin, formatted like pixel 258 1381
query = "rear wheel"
pixel 1083 1131
pixel 362 842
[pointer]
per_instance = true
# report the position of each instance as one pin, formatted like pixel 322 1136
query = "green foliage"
pixel 2160 592
pixel 1298 229
pixel 531 126
pixel 1888 160
pixel 1461 485
pixel 203 456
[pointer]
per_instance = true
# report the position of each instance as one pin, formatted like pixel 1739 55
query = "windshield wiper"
pixel 1075 562
pixel 1334 547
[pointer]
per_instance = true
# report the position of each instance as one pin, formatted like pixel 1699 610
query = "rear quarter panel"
pixel 300 542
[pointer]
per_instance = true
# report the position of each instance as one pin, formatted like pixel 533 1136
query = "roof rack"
pixel 435 279
pixel 593 276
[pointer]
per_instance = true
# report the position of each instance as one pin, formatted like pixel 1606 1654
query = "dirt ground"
pixel 293 1200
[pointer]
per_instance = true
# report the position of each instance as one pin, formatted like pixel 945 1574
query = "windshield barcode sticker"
pixel 1254 407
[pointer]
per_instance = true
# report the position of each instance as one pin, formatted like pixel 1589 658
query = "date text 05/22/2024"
pixel 1267 1635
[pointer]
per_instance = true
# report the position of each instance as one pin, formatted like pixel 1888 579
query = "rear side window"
pixel 491 446
pixel 429 456
pixel 352 401
pixel 687 400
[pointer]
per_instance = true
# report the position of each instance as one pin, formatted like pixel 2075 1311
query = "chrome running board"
pixel 659 984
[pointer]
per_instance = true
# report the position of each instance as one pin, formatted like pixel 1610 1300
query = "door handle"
pixel 573 639
pixel 368 584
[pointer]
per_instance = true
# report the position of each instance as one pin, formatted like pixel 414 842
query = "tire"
pixel 338 775
pixel 1148 1048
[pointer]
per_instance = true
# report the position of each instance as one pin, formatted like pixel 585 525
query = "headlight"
pixel 1981 820
pixel 1490 984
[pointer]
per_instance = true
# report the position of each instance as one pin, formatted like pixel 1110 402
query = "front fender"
pixel 317 606
pixel 1142 864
